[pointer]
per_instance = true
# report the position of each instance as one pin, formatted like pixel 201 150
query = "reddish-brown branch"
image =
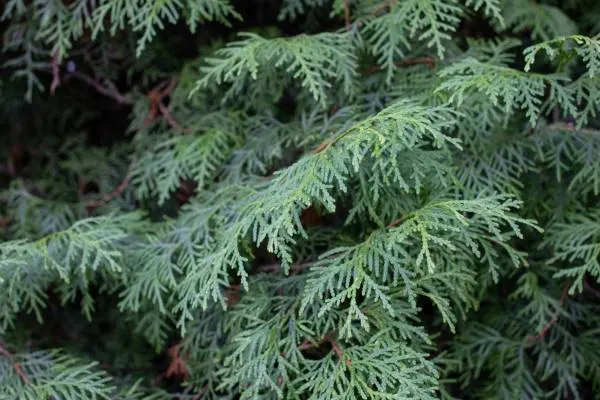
pixel 339 352
pixel 569 127
pixel 157 107
pixel 158 93
pixel 55 73
pixel 177 365
pixel 337 349
pixel 110 196
pixel 110 90
pixel 307 344
pixel 329 338
pixel 17 367
pixel 428 61
pixel 171 119
pixel 397 221
pixel 233 294
pixel 295 268
pixel 184 192
pixel 165 88
pixel 322 146
pixel 347 14
pixel 542 333
pixel 387 4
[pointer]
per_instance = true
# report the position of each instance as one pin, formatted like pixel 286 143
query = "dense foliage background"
pixel 300 199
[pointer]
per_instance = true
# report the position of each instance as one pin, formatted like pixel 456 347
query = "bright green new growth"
pixel 315 200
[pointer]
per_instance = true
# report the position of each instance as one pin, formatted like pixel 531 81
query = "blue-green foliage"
pixel 379 209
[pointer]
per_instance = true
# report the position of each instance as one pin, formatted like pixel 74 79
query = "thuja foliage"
pixel 300 199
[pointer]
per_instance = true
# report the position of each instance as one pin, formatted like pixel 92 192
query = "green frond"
pixel 314 178
pixel 299 199
pixel 491 9
pixel 544 21
pixel 159 172
pixel 292 9
pixel 430 21
pixel 506 87
pixel 587 98
pixel 315 60
pixel 154 281
pixel 150 17
pixel 389 40
pixel 53 374
pixel 371 268
pixel 587 48
pixel 389 372
pixel 33 216
pixel 61 25
pixel 576 248
pixel 71 255
pixel 30 59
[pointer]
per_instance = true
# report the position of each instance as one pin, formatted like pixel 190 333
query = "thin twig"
pixel 329 338
pixel 171 119
pixel 177 365
pixel 232 294
pixel 184 192
pixel 324 145
pixel 563 126
pixel 429 61
pixel 339 352
pixel 307 344
pixel 164 88
pixel 347 14
pixel 382 8
pixel 17 367
pixel 110 91
pixel 295 268
pixel 397 221
pixel 55 74
pixel 116 192
pixel 156 96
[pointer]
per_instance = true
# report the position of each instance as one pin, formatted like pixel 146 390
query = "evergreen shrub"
pixel 300 199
